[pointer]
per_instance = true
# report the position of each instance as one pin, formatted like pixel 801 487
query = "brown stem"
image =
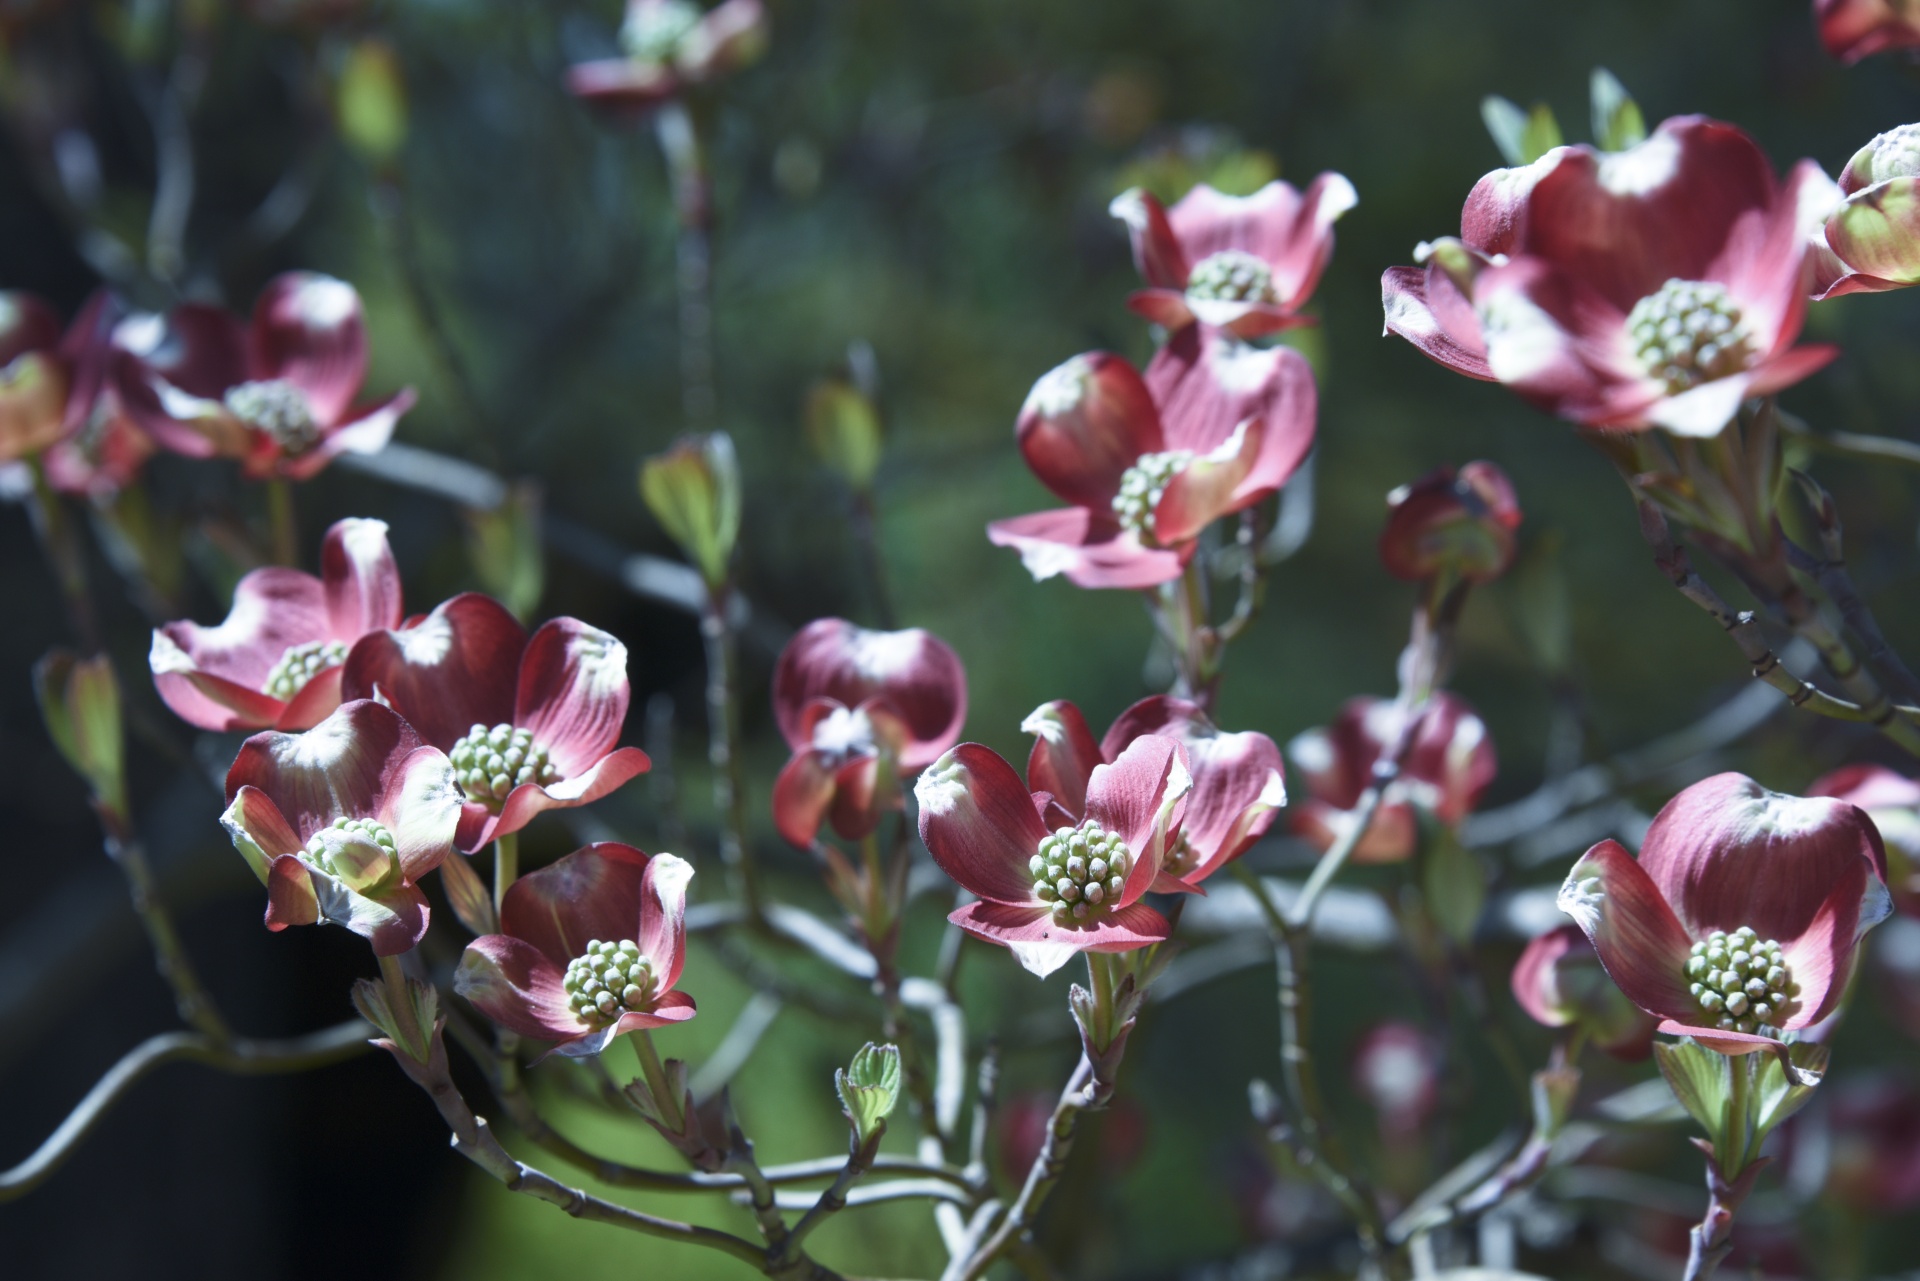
pixel 190 998
pixel 723 751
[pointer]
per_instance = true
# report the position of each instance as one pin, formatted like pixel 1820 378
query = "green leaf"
pixel 1699 1079
pixel 80 703
pixel 371 101
pixel 869 1087
pixel 1522 137
pixel 1617 122
pixel 1775 1097
pixel 1451 880
pixel 693 490
pixel 843 426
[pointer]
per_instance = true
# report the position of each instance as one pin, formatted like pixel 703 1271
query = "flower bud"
pixel 80 702
pixel 693 490
pixel 843 426
pixel 869 1088
pixel 370 101
pixel 1893 154
pixel 1451 524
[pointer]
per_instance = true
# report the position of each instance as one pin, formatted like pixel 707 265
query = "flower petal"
pixel 915 672
pixel 1533 976
pixel 1142 796
pixel 1084 424
pixel 663 915
pixel 318 699
pixel 615 770
pixel 273 611
pixel 1291 231
pixel 1063 755
pixel 573 692
pixel 1425 307
pixel 977 820
pixel 1042 946
pixel 1208 384
pixel 594 893
pixel 801 795
pixel 1642 944
pixel 668 1008
pixel 452 670
pixel 624 86
pixel 393 921
pixel 1089 548
pixel 1721 1041
pixel 259 830
pixel 308 329
pixel 290 894
pixel 1166 308
pixel 1157 252
pixel 362 583
pixel 365 431
pixel 422 809
pixel 345 767
pixel 517 986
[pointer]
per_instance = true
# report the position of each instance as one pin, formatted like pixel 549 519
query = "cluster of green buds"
pixel 1742 980
pixel 491 762
pixel 300 664
pixel 1688 332
pixel 1144 484
pixel 608 980
pixel 1232 275
pixel 279 409
pixel 368 830
pixel 1079 870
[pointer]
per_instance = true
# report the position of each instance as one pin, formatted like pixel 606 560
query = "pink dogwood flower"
pixel 590 948
pixel 1739 921
pixel 341 822
pixel 1214 426
pixel 1856 29
pixel 670 46
pixel 1245 264
pixel 1239 782
pixel 1043 894
pixel 861 710
pixel 101 450
pixel 1657 286
pixel 1892 801
pixel 277 395
pixel 1559 981
pixel 1871 242
pixel 1448 766
pixel 530 723
pixel 277 659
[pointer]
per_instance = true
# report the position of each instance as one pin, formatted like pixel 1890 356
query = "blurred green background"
pixel 932 178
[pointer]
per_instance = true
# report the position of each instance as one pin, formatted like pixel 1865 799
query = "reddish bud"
pixel 1451 524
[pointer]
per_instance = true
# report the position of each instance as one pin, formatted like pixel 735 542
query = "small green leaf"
pixel 693 490
pixel 80 702
pixel 371 101
pixel 374 1001
pixel 843 426
pixel 1698 1078
pixel 869 1087
pixel 1451 880
pixel 1617 122
pixel 1522 136
pixel 1775 1097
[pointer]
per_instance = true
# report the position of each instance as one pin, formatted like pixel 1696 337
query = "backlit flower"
pixel 1239 782
pixel 276 660
pixel 1449 764
pixel 1047 894
pixel 1856 29
pixel 1657 286
pixel 860 710
pixel 590 948
pixel 277 395
pixel 100 449
pixel 1246 264
pixel 1871 242
pixel 341 823
pixel 1214 426
pixel 1739 921
pixel 530 723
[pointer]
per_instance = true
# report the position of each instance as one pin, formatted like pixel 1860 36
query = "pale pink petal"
pixel 1089 548
pixel 1142 796
pixel 479 825
pixel 308 330
pixel 1042 945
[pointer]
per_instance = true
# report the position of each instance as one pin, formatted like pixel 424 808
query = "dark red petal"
pixel 1425 307
pixel 573 692
pixel 669 1008
pixel 1856 29
pixel 978 822
pixel 1084 423
pixel 1156 249
pixel 308 330
pixel 663 916
pixel 1089 548
pixel 1164 307
pixel 318 699
pixel 1642 944
pixel 1142 796
pixel 362 581
pixel 517 986
pixel 345 767
pixel 1043 946
pixel 623 86
pixel 452 670
pixel 801 795
pixel 917 674
pixel 594 893
pixel 1063 755
pixel 1532 980
pixel 860 797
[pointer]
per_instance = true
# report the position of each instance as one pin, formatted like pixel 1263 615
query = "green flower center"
pixel 1896 153
pixel 1232 275
pixel 279 409
pixel 1689 332
pixel 300 664
pixel 654 32
pixel 1742 981
pixel 1144 484
pixel 608 980
pixel 491 762
pixel 1081 871
pixel 1181 857
pixel 362 861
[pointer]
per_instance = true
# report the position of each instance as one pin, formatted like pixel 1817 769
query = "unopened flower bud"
pixel 693 490
pixel 1893 154
pixel 1451 523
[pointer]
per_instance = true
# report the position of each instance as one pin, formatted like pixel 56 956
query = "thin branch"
pixel 243 1057
pixel 836 1196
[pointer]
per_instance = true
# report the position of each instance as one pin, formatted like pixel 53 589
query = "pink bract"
pixel 298 806
pixel 1567 268
pixel 984 828
pixel 277 395
pixel 283 623
pixel 470 665
pixel 1856 29
pixel 718 41
pixel 1215 426
pixel 1278 230
pixel 1892 801
pixel 1448 766
pixel 1239 781
pixel 860 710
pixel 601 894
pixel 1807 873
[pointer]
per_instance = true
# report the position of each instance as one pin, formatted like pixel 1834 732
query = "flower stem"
pixel 66 557
pixel 400 1003
pixel 284 526
pixel 655 1073
pixel 678 134
pixel 189 997
pixel 506 867
pixel 723 749
pixel 1100 977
